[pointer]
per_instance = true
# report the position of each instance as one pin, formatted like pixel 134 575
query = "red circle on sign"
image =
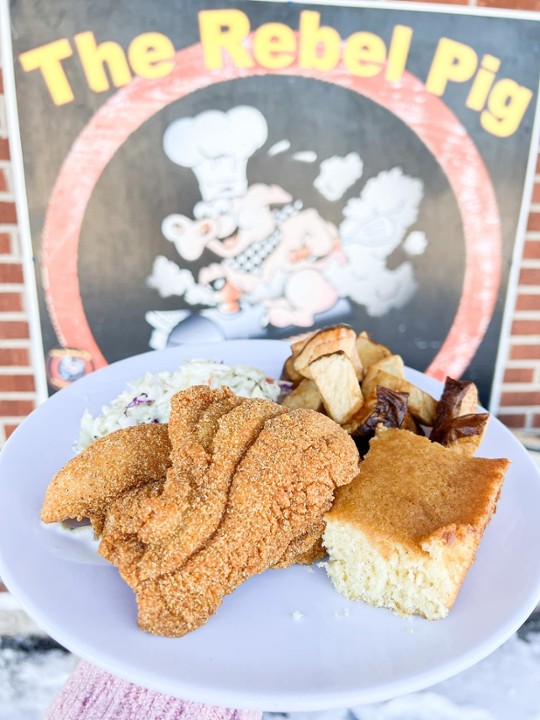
pixel 426 115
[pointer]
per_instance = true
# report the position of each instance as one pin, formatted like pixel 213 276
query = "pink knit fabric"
pixel 93 694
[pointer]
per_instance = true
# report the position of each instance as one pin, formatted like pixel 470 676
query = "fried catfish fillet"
pixel 235 432
pixel 193 423
pixel 279 492
pixel 109 466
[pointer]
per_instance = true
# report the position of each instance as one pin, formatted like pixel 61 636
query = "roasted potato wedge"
pixel 338 338
pixel 369 351
pixel 384 406
pixel 392 364
pixel 457 425
pixel 289 371
pixel 421 405
pixel 458 398
pixel 463 433
pixel 305 395
pixel 338 385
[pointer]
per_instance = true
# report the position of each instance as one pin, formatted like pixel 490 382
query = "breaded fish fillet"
pixel 195 414
pixel 235 432
pixel 279 491
pixel 117 462
pixel 242 487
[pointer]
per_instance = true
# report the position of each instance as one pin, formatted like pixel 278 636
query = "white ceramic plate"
pixel 252 653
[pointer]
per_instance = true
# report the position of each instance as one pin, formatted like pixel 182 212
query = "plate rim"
pixel 288 701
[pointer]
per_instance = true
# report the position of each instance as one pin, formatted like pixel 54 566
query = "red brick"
pixel 14 356
pixel 529 276
pixel 518 375
pixel 1 82
pixel 11 273
pixel 8 213
pixel 526 327
pixel 9 430
pixel 3 588
pixel 520 398
pixel 531 250
pixel 16 407
pixel 5 243
pixel 536 194
pixel 512 421
pixel 4 149
pixel 510 4
pixel 534 222
pixel 525 352
pixel 17 383
pixel 536 421
pixel 3 181
pixel 11 302
pixel 528 302
pixel 14 330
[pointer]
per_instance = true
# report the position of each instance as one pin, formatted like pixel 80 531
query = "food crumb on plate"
pixel 297 616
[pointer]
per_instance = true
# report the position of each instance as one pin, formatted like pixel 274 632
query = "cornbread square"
pixel 405 532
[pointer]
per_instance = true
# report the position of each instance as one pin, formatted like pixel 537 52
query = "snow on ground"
pixel 31 674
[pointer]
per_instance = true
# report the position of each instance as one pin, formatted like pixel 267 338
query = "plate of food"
pixel 312 553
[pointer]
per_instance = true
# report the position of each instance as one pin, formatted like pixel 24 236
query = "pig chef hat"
pixel 216 146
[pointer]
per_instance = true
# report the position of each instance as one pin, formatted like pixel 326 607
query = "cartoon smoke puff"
pixel 374 226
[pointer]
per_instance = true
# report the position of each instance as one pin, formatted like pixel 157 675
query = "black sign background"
pixel 121 232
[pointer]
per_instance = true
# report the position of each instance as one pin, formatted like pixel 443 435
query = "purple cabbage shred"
pixel 141 399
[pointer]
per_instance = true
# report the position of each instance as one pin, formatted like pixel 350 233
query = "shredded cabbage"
pixel 148 399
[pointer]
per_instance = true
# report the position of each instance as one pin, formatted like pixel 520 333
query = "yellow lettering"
pixel 453 61
pixel 506 107
pixel 94 58
pixel 398 52
pixel 274 46
pixel 320 47
pixel 224 30
pixel 48 59
pixel 365 54
pixel 151 55
pixel 478 94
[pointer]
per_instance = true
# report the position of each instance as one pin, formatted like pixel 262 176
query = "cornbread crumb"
pixel 404 533
pixel 297 616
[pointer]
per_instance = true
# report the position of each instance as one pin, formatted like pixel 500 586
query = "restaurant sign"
pixel 252 169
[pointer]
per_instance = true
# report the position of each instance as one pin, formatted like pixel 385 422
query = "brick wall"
pixel 520 400
pixel 17 387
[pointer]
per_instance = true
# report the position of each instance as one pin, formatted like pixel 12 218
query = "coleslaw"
pixel 148 399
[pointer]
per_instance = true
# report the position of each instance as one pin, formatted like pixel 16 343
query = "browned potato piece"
pixel 392 364
pixel 411 425
pixel 289 371
pixel 457 425
pixel 458 398
pixel 338 338
pixel 462 434
pixel 421 405
pixel 305 395
pixel 337 382
pixel 369 351
pixel 298 345
pixel 384 406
